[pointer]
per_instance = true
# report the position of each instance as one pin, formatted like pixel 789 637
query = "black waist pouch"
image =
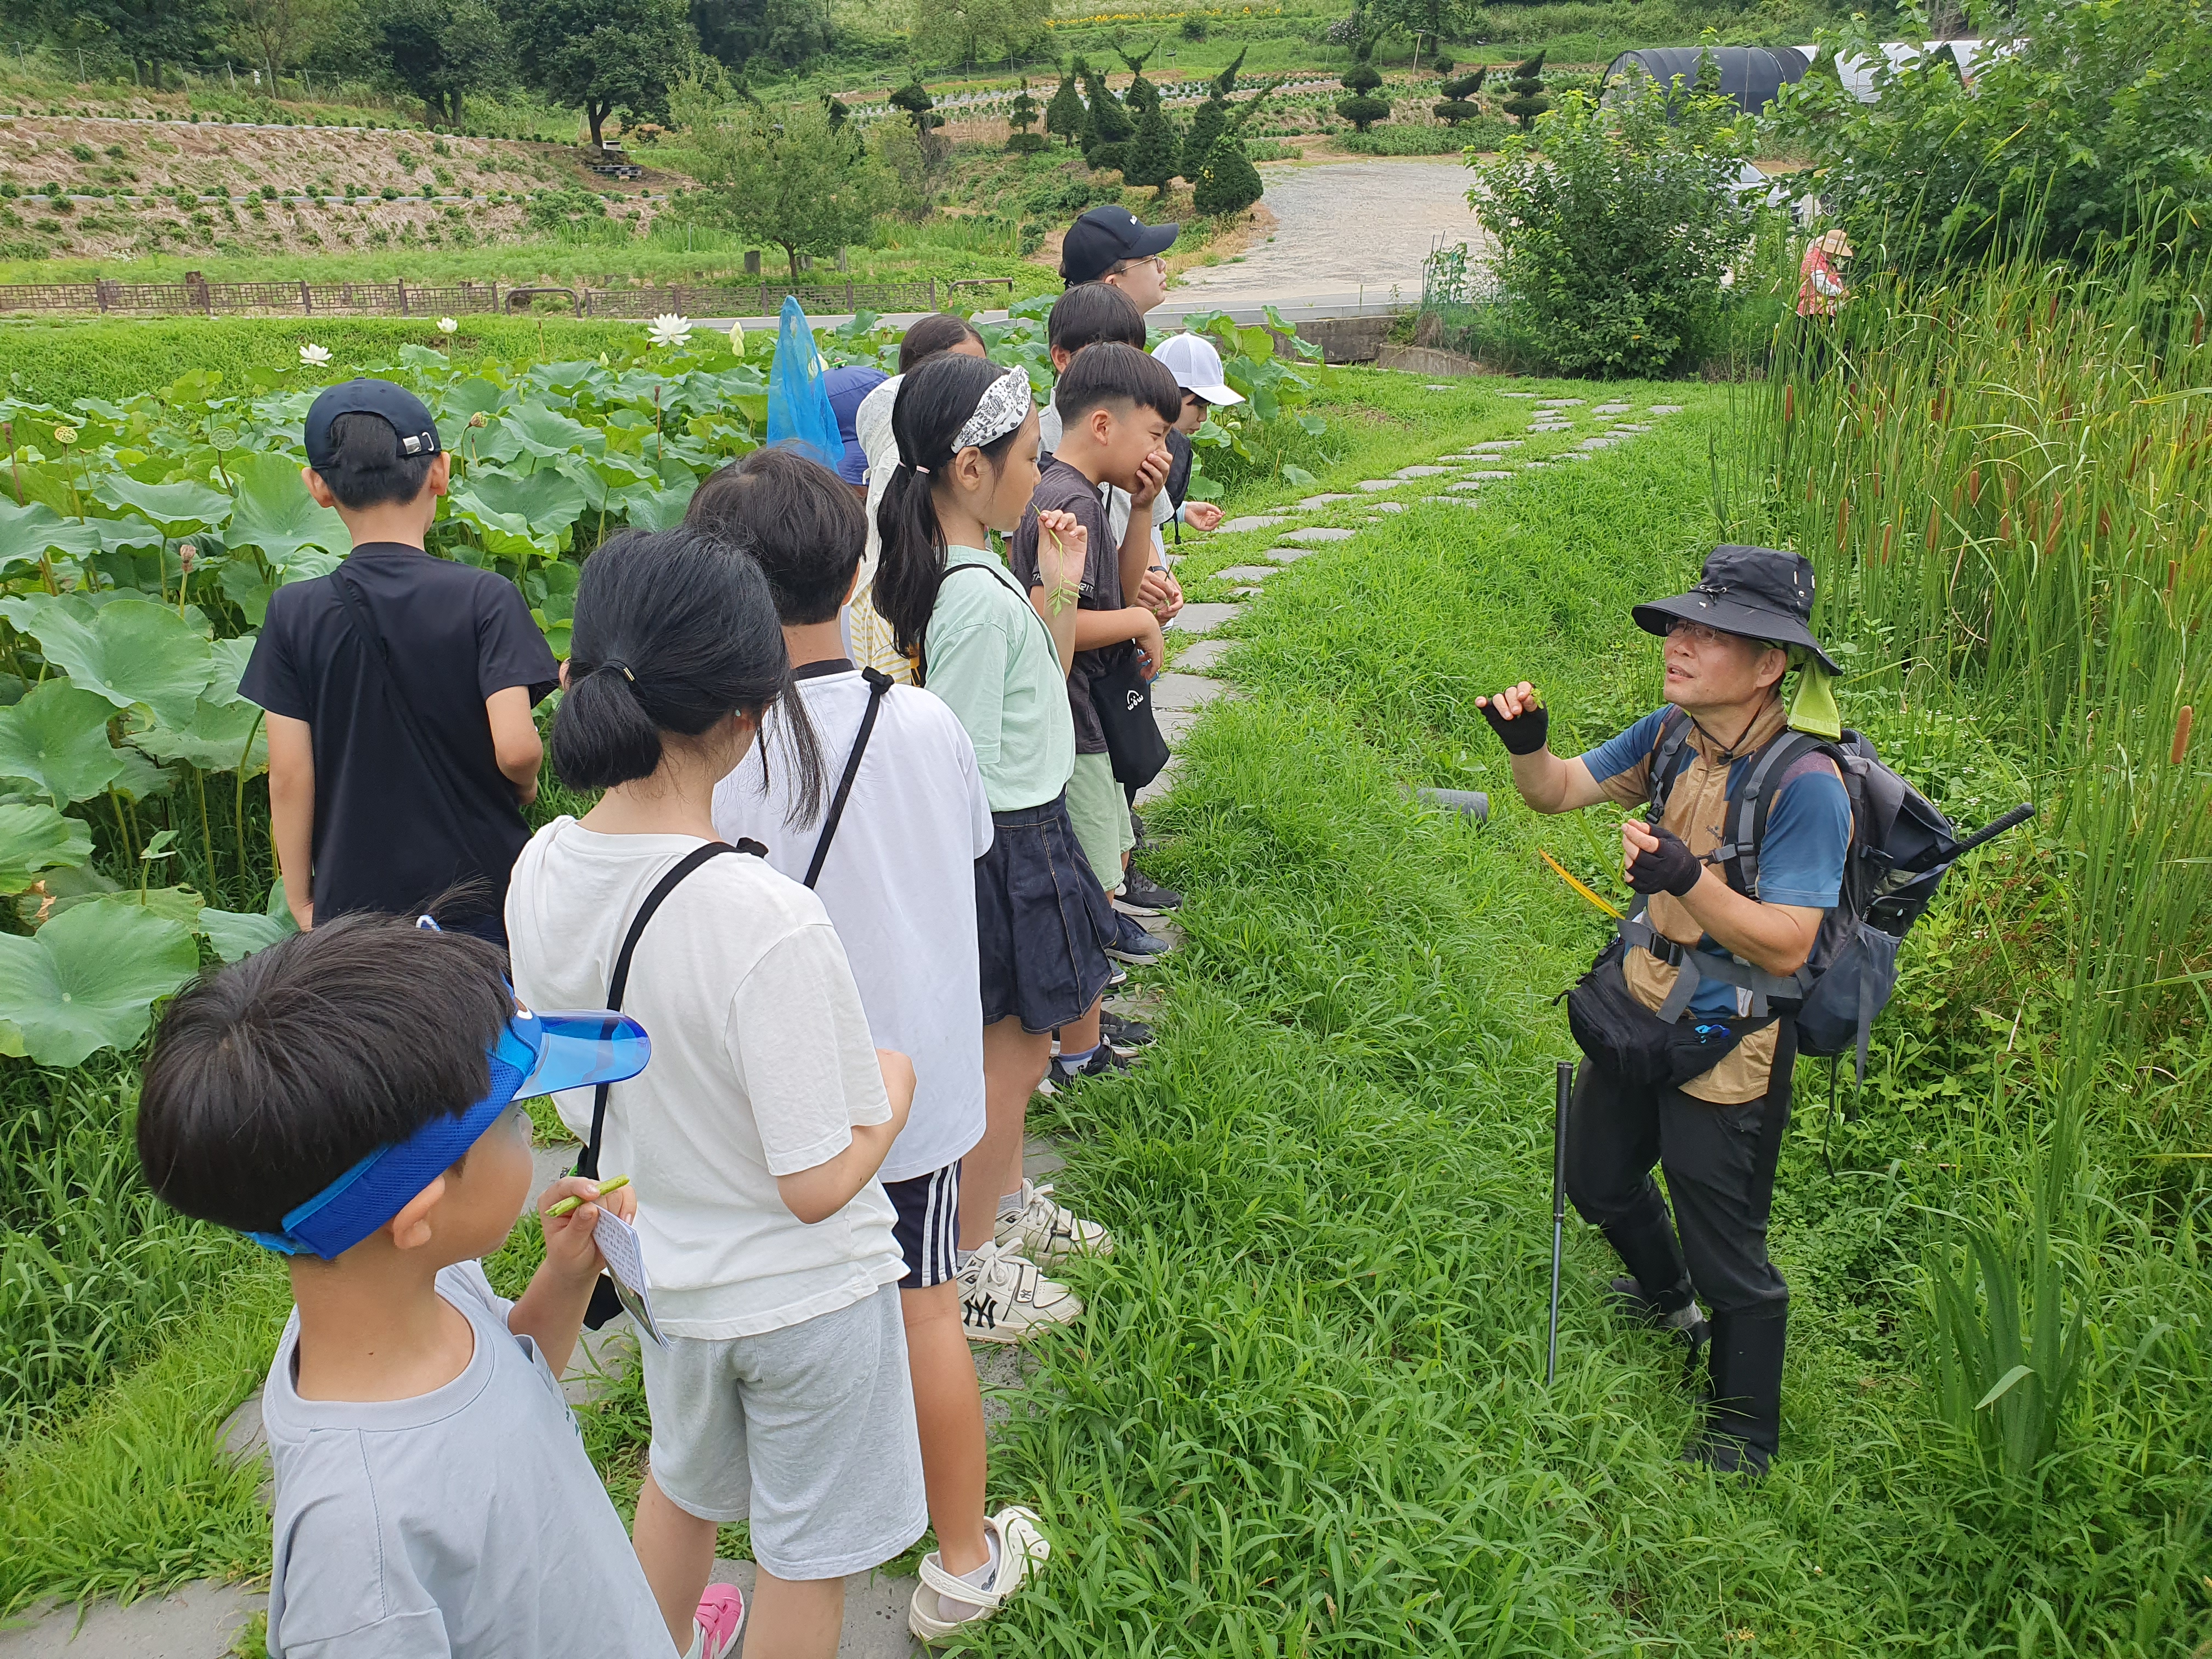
pixel 1123 698
pixel 1627 1039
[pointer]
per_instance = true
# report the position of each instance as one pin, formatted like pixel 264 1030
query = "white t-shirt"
pixel 762 1067
pixel 900 884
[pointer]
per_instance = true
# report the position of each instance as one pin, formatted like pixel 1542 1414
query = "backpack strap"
pixel 921 661
pixel 1671 755
pixel 1744 828
pixel 588 1163
pixel 878 684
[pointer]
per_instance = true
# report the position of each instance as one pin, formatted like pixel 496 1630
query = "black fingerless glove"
pixel 1522 737
pixel 1671 868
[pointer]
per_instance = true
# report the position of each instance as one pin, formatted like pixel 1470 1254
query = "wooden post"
pixel 932 292
pixel 848 294
pixel 403 296
pixel 763 310
pixel 306 299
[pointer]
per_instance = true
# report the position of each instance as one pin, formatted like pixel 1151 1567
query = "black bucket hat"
pixel 1758 592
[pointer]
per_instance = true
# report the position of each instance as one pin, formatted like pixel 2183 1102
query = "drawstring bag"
pixel 798 399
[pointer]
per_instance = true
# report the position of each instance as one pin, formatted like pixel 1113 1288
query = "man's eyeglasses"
pixel 1697 635
pixel 1121 267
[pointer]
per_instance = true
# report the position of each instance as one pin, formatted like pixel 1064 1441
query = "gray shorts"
pixel 807 1431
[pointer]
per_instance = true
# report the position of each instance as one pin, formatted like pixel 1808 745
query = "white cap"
pixel 1197 367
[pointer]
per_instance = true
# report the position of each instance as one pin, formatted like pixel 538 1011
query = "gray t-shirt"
pixel 466 1522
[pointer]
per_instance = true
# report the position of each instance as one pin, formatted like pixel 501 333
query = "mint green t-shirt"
pixel 990 657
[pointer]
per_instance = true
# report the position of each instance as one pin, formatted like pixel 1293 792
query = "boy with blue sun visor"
pixel 351 1099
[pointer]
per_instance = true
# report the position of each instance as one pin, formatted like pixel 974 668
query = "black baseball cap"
pixel 1758 593
pixel 402 410
pixel 1106 235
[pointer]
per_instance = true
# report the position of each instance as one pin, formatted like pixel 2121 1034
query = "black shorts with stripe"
pixel 929 1225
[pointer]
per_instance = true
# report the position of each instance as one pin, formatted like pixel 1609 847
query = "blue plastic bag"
pixel 798 401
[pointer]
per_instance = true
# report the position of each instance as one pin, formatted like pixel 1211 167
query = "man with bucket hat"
pixel 1737 865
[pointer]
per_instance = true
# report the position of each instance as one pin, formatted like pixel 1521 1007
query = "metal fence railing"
pixel 305 299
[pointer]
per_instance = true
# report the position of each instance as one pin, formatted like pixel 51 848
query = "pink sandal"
pixel 721 1620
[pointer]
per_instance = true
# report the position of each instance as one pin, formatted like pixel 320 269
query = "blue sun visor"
pixel 537 1053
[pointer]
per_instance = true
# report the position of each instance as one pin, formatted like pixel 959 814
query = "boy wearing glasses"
pixel 1111 244
pixel 1719 926
pixel 351 1099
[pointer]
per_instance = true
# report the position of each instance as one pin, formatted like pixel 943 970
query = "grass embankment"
pixel 1305 1414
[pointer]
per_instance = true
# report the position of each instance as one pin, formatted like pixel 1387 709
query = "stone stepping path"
pixel 1319 533
pixel 1420 471
pixel 1313 502
pixel 1247 573
pixel 1201 655
pixel 1255 521
pixel 1201 618
pixel 1373 486
pixel 1287 554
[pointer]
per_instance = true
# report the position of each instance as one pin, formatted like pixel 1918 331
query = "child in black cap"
pixel 1111 244
pixel 399 687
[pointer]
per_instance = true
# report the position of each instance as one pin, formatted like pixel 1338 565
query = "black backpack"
pixel 1901 847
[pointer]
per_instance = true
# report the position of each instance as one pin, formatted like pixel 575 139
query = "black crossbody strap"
pixel 879 684
pixel 587 1164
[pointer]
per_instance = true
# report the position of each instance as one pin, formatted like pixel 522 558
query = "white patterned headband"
pixel 1004 404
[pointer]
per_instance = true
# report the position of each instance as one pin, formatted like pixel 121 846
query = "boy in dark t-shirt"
pixel 398 688
pixel 1115 405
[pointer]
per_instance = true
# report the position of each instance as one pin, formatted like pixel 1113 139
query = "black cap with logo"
pixel 402 410
pixel 1105 236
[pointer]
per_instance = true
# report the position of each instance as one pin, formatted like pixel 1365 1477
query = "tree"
pixel 151 33
pixel 1529 99
pixel 277 34
pixel 1206 122
pixel 790 178
pixel 1432 19
pixel 1226 181
pixel 971 30
pixel 603 55
pixel 1154 155
pixel 1106 122
pixel 439 50
pixel 733 32
pixel 1021 115
pixel 913 98
pixel 1614 240
pixel 1065 115
pixel 1459 103
pixel 1363 109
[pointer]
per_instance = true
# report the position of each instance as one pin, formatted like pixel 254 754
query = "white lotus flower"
pixel 448 325
pixel 737 338
pixel 669 329
pixel 313 356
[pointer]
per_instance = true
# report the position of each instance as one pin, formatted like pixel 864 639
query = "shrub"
pixel 1064 113
pixel 1484 132
pixel 1028 144
pixel 1613 241
pixel 1227 182
pixel 1529 99
pixel 1107 158
pixel 1363 112
pixel 1194 26
pixel 2092 131
pixel 1154 155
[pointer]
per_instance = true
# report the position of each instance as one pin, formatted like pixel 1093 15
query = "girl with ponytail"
pixel 967 434
pixel 754 1137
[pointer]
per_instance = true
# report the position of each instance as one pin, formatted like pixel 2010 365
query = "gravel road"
pixel 1342 227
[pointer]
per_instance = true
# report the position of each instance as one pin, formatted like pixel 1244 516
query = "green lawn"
pixel 1305 1413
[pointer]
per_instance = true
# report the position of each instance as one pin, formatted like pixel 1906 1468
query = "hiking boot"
pixel 1045 1232
pixel 1004 1298
pixel 1123 1034
pixel 1140 896
pixel 1685 1324
pixel 1132 945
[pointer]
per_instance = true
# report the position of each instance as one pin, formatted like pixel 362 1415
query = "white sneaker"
pixel 1047 1232
pixel 1004 1298
pixel 1022 1549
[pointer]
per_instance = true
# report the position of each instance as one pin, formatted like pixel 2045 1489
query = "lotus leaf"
pixel 237 934
pixel 646 509
pixel 176 903
pixel 56 738
pixel 132 651
pixel 229 658
pixel 506 534
pixel 276 514
pixel 548 501
pixel 214 738
pixel 177 509
pixel 535 430
pixel 58 889
pixel 35 837
pixel 475 394
pixel 28 533
pixel 422 357
pixel 89 979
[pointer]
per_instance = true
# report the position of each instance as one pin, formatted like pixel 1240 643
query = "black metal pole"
pixel 1558 1211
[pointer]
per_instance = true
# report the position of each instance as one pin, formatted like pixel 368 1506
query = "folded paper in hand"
pixel 625 1260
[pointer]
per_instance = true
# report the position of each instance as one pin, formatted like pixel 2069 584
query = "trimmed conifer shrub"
pixel 1064 114
pixel 1155 155
pixel 1529 99
pixel 1227 182
pixel 1363 109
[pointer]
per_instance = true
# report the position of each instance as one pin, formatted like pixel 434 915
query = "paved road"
pixel 1341 227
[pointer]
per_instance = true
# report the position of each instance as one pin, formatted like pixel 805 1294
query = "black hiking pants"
pixel 1720 1164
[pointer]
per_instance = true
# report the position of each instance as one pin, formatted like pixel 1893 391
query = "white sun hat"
pixel 1196 366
